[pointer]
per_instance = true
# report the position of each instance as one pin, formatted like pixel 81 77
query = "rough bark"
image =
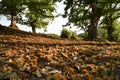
pixel 13 22
pixel 92 28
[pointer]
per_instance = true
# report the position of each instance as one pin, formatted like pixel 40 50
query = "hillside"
pixel 28 56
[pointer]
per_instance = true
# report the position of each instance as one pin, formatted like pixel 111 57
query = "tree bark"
pixel 92 28
pixel 13 22
pixel 33 27
pixel 110 31
pixel 110 28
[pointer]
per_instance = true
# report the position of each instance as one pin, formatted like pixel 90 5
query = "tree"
pixel 12 10
pixel 96 14
pixel 37 12
pixel 115 35
pixel 87 13
pixel 112 13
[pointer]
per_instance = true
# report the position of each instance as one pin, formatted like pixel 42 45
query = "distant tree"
pixel 116 25
pixel 115 35
pixel 38 13
pixel 112 13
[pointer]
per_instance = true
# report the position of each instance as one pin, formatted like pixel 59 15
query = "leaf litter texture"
pixel 29 57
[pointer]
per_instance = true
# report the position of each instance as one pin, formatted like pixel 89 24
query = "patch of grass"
pixel 74 35
pixel 65 33
pixel 53 36
pixel 69 34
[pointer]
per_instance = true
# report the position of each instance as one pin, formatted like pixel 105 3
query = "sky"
pixel 53 28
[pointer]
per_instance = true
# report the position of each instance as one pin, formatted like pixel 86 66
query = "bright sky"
pixel 54 27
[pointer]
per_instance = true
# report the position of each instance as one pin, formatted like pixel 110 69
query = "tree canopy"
pixel 12 9
pixel 40 13
pixel 37 12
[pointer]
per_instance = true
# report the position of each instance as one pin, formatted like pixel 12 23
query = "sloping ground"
pixel 27 56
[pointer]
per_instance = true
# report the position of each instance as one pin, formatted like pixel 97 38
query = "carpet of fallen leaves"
pixel 30 57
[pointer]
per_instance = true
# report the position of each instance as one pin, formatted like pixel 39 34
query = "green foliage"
pixel 11 7
pixel 81 12
pixel 102 32
pixel 111 13
pixel 83 35
pixel 65 33
pixel 116 33
pixel 69 34
pixel 78 13
pixel 74 35
pixel 38 11
pixel 54 36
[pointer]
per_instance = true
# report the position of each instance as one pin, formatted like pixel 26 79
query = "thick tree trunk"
pixel 33 27
pixel 13 22
pixel 92 32
pixel 92 28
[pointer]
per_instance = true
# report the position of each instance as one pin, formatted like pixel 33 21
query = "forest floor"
pixel 27 56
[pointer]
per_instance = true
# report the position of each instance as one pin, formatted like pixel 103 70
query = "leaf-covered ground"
pixel 26 56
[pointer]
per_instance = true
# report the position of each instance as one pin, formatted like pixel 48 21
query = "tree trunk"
pixel 92 28
pixel 13 22
pixel 33 27
pixel 110 28
pixel 92 32
pixel 110 31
